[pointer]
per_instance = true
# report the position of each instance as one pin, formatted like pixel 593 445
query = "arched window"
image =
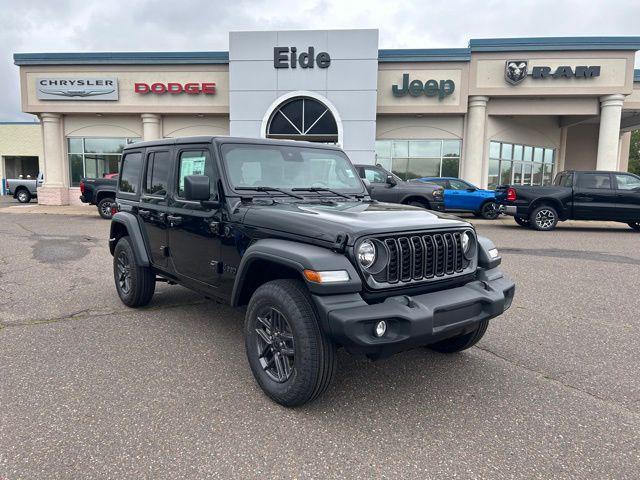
pixel 303 118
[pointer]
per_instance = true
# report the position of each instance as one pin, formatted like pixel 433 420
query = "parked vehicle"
pixel 100 192
pixel 288 230
pixel 575 195
pixel 384 186
pixel 24 188
pixel 462 196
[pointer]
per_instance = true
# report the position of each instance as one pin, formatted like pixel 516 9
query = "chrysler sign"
pixel 77 88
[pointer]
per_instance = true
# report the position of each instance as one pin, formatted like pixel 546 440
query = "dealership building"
pixel 500 111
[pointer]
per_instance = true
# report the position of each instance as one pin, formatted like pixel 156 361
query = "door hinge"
pixel 340 243
pixel 216 265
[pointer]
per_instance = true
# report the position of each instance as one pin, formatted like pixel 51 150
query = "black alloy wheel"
pixel 275 345
pixel 490 211
pixel 635 225
pixel 123 272
pixel 523 222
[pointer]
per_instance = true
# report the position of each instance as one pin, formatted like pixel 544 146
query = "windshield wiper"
pixel 321 189
pixel 262 188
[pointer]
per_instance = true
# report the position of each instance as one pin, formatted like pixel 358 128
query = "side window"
pixel 458 185
pixel 375 175
pixel 627 182
pixel 567 181
pixel 195 162
pixel 157 178
pixel 130 176
pixel 600 181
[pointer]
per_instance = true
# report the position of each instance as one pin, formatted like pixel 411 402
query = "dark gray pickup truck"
pixel 100 192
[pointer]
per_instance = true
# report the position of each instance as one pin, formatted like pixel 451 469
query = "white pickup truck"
pixel 24 188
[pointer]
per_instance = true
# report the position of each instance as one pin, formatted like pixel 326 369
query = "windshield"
pixel 289 167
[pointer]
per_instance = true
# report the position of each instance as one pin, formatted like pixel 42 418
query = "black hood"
pixel 324 221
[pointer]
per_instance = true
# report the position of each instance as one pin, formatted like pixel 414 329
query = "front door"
pixel 594 197
pixel 628 194
pixel 153 203
pixel 460 197
pixel 194 238
pixel 380 190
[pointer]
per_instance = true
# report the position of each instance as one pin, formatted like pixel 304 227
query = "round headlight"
pixel 366 253
pixel 467 242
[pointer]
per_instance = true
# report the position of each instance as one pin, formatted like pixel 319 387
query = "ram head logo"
pixel 515 71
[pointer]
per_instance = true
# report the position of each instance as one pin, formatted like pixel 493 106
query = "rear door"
pixel 628 194
pixel 154 203
pixel 594 197
pixel 194 231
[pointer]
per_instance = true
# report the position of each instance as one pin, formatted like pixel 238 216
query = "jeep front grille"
pixel 421 257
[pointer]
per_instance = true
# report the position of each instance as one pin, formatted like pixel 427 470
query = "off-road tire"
pixel 104 207
pixel 314 360
pixel 461 342
pixel 523 222
pixel 543 218
pixel 489 211
pixel 635 225
pixel 142 280
pixel 23 195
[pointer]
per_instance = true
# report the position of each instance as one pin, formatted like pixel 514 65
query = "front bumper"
pixel 438 206
pixel 416 320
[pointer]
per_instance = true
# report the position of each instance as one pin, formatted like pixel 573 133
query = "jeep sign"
pixel 430 88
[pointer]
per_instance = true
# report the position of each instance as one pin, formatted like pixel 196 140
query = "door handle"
pixel 144 213
pixel 174 220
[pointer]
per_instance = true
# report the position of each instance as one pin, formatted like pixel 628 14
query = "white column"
pixel 609 137
pixel 623 154
pixel 55 189
pixel 472 165
pixel 151 126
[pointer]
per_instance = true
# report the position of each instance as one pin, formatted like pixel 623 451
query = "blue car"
pixel 462 196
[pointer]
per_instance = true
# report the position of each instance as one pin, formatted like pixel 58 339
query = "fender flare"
pixel 131 225
pixel 299 257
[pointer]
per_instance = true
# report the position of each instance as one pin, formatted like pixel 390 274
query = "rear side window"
pixel 627 182
pixel 130 174
pixel 601 181
pixel 157 178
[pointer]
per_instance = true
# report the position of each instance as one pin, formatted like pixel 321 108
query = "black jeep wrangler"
pixel 287 230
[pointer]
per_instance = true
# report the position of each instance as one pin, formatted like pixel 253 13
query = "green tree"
pixel 634 153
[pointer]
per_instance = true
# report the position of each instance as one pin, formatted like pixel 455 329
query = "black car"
pixel 384 186
pixel 575 195
pixel 100 192
pixel 287 231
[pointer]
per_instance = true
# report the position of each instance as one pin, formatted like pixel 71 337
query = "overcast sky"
pixel 197 25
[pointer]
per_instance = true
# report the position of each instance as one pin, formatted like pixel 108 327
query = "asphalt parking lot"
pixel 91 389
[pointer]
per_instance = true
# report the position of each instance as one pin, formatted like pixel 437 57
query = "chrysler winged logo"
pixel 515 71
pixel 77 93
pixel 77 88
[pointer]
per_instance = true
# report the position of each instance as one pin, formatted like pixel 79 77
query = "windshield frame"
pixel 361 191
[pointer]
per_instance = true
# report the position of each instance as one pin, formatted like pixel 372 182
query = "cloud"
pixel 193 25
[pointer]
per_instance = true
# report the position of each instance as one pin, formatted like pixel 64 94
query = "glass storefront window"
pixel 94 157
pixel 420 158
pixel 506 152
pixel 519 164
pixel 428 148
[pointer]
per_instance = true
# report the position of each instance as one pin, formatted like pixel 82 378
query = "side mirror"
pixel 471 189
pixel 391 180
pixel 197 188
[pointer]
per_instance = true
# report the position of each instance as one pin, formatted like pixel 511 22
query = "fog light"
pixel 381 328
pixel 493 253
